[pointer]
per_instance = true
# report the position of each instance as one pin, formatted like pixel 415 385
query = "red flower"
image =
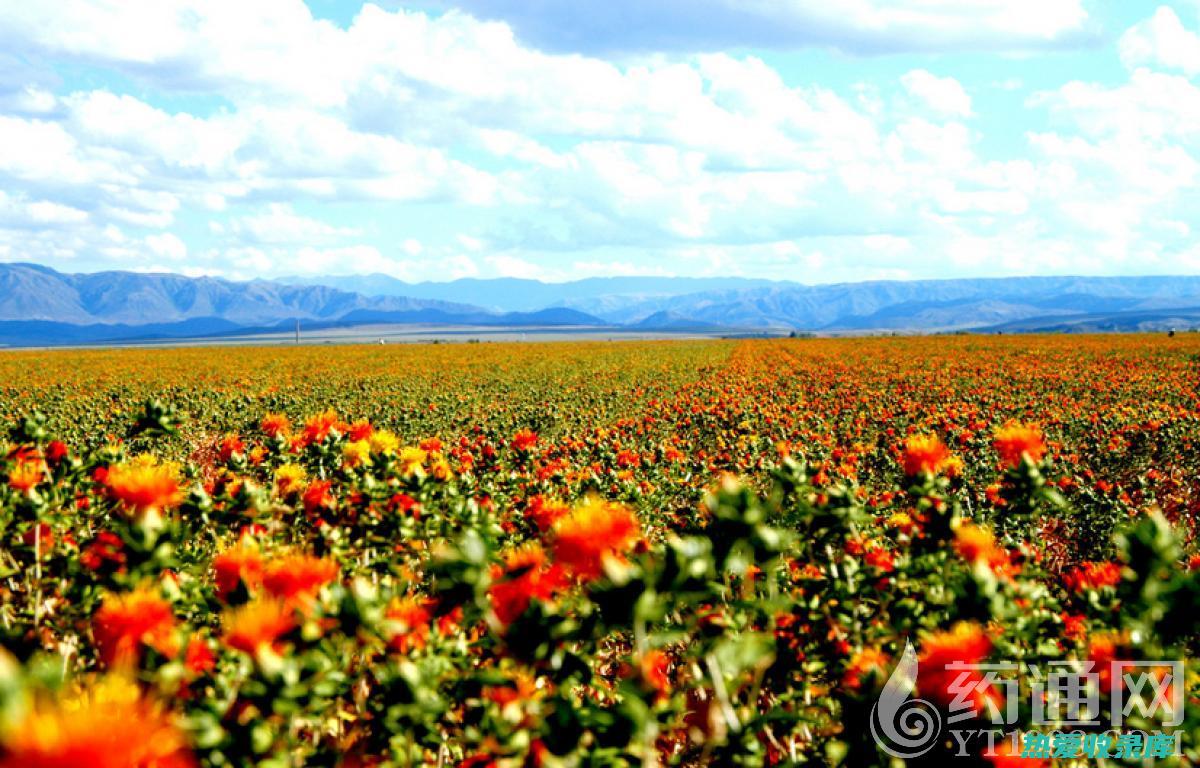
pixel 56 451
pixel 40 535
pixel 317 496
pixel 125 623
pixel 965 644
pixel 232 445
pixel 199 658
pixel 881 559
pixel 526 575
pixel 240 564
pixel 524 440
pixel 359 430
pixel 105 548
pixel 1092 576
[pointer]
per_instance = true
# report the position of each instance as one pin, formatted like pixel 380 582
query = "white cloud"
pixel 549 165
pixel 1161 41
pixel 17 212
pixel 167 246
pixel 278 223
pixel 944 95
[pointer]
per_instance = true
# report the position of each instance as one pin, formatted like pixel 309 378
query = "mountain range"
pixel 40 306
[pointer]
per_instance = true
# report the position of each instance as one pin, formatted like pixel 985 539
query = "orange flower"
pixel 412 616
pixel 1015 440
pixel 231 445
pixel 318 427
pixel 108 725
pixel 298 578
pixel 866 662
pixel 545 512
pixel 926 454
pixel 595 531
pixel 656 672
pixel 240 564
pixel 257 625
pixel 126 622
pixel 963 644
pixel 26 475
pixel 975 544
pixel 276 424
pixel 144 485
pixel 522 688
pixel 526 575
pixel 524 440
pixel 1102 651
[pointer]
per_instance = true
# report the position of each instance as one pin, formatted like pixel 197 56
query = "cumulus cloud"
pixel 1161 41
pixel 944 95
pixel 484 149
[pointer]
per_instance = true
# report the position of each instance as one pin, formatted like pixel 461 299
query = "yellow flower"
pixel 384 442
pixel 289 478
pixel 412 461
pixel 440 469
pixel 356 454
pixel 144 485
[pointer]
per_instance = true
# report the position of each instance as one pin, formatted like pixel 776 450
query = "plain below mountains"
pixel 40 306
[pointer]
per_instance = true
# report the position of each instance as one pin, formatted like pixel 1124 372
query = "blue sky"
pixel 436 139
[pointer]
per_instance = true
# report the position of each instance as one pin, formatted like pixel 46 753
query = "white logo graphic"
pixel 904 727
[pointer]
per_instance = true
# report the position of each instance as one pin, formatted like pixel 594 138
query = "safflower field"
pixel 582 554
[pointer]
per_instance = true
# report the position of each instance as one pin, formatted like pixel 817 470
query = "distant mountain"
pixel 673 321
pixel 594 295
pixel 921 305
pixel 32 292
pixel 41 306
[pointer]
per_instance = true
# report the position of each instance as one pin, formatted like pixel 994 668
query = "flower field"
pixel 585 554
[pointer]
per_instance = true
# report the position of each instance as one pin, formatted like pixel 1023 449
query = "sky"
pixel 800 140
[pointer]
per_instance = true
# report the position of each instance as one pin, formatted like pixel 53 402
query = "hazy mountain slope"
pixel 924 304
pixel 30 292
pixel 593 295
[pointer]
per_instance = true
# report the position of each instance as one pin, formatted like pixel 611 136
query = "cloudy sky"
pixel 794 139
